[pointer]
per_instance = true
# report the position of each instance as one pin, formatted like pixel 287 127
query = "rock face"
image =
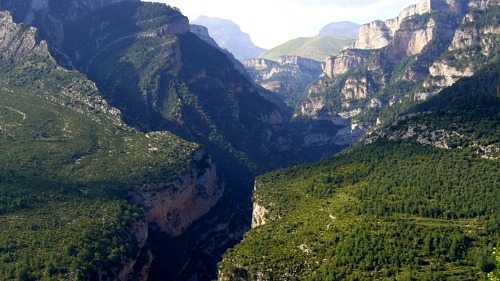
pixel 374 35
pixel 429 46
pixel 128 272
pixel 18 42
pixel 258 215
pixel 345 61
pixel 288 77
pixel 228 35
pixel 186 199
pixel 476 38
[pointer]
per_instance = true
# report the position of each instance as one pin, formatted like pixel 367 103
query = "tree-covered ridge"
pixel 375 213
pixel 391 209
pixel 464 115
pixel 67 163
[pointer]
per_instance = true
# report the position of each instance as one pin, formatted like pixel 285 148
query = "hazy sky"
pixel 273 22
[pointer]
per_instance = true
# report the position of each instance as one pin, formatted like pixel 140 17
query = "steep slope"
pixel 343 28
pixel 316 48
pixel 229 36
pixel 78 187
pixel 161 77
pixel 409 58
pixel 374 211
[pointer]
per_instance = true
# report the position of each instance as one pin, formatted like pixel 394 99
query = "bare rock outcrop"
pixel 346 60
pixel 18 42
pixel 374 35
pixel 258 215
pixel 186 199
pixel 473 39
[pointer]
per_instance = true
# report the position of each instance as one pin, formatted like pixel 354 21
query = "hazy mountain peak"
pixel 230 36
pixel 342 28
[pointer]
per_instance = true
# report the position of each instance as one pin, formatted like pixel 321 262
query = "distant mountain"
pixel 343 28
pixel 316 48
pixel 229 36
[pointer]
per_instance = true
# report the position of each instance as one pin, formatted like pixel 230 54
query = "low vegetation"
pixel 66 166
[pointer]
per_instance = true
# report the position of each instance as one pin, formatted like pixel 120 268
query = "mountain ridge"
pixel 316 48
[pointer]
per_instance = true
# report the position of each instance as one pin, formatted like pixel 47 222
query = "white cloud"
pixel 272 22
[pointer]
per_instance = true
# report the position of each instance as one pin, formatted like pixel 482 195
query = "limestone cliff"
pixel 429 46
pixel 140 231
pixel 17 41
pixel 258 215
pixel 474 42
pixel 202 32
pixel 374 35
pixel 289 77
pixel 185 200
pixel 346 60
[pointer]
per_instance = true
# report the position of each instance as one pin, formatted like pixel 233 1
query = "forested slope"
pixel 394 207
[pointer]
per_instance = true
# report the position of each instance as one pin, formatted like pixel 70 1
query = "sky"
pixel 273 22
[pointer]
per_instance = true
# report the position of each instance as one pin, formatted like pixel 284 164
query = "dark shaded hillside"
pixel 163 77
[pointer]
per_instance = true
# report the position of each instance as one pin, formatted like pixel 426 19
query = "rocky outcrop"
pixel 473 42
pixel 288 77
pixel 413 40
pixel 374 35
pixel 345 61
pixel 444 75
pixel 258 215
pixel 140 231
pixel 286 66
pixel 185 200
pixel 202 32
pixel 378 34
pixel 355 88
pixel 18 42
pixel 312 106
